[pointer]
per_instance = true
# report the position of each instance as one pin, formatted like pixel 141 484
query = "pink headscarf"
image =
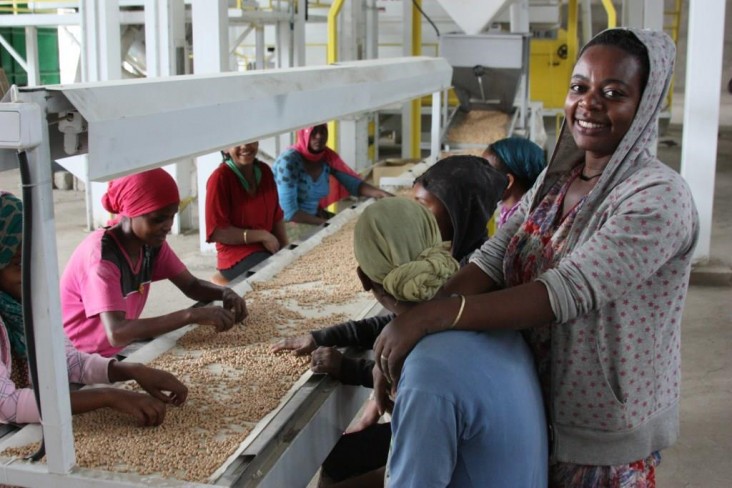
pixel 141 193
pixel 302 145
pixel 327 156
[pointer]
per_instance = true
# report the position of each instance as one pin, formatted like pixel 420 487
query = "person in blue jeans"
pixel 468 409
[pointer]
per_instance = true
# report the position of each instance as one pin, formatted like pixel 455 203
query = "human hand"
pixel 218 317
pixel 234 303
pixel 369 417
pixel 270 243
pixel 379 193
pixel 148 411
pixel 160 384
pixel 300 345
pixel 398 338
pixel 383 392
pixel 327 360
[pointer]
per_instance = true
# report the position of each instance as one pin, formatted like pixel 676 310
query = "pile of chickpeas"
pixel 233 378
pixel 478 127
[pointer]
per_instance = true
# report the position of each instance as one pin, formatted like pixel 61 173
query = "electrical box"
pixel 20 125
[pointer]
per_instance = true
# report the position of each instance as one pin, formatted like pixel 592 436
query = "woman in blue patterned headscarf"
pixel 11 232
pixel 522 161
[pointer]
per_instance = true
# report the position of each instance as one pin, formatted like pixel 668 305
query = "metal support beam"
pixel 39 20
pixel 436 129
pixel 259 46
pixel 210 55
pixel 31 56
pixel 519 15
pixel 643 14
pixel 100 39
pixel 520 24
pixel 299 33
pixel 653 15
pixel 701 111
pixel 586 7
pixel 355 142
pixel 186 108
pixel 164 36
pixel 284 55
pixel 50 353
pixel 412 111
pixel 372 30
pixel 101 60
pixel 15 54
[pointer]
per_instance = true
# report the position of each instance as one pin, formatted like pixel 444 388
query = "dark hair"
pixel 628 42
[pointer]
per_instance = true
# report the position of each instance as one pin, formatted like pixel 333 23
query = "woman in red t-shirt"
pixel 243 214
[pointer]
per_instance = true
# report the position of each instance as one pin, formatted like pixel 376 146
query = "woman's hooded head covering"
pixel 141 193
pixel 522 158
pixel 470 189
pixel 11 235
pixel 397 244
pixel 328 156
pixel 634 150
pixel 302 144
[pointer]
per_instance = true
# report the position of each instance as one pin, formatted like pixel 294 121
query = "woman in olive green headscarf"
pixel 484 382
pixel 402 261
pixel 402 254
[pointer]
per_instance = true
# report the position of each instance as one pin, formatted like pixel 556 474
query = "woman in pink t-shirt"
pixel 17 402
pixel 107 280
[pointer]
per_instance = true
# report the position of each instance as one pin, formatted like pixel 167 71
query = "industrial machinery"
pixel 490 79
pixel 128 126
pixel 490 74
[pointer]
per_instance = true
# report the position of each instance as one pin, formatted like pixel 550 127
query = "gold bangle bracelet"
pixel 245 237
pixel 460 312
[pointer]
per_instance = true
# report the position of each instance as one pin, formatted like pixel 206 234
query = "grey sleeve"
pixel 489 258
pixel 643 233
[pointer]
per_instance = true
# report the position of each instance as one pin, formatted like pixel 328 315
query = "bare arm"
pixel 301 217
pixel 235 236
pixel 470 280
pixel 280 232
pixel 368 190
pixel 205 291
pixel 121 331
pixel 518 307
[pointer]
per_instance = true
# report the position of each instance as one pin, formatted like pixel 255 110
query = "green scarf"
pixel 11 233
pixel 397 243
pixel 257 172
pixel 12 314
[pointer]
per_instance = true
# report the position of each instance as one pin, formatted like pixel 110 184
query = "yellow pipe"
pixel 572 37
pixel 335 9
pixel 612 16
pixel 416 110
pixel 332 57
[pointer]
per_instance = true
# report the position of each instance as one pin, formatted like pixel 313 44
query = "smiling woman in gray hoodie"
pixel 594 268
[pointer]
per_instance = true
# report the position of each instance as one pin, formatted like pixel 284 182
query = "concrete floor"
pixel 699 458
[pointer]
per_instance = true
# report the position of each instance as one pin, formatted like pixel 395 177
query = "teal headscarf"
pixel 522 158
pixel 397 244
pixel 11 233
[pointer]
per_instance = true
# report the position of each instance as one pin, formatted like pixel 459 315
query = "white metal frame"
pixel 132 125
pixel 701 112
